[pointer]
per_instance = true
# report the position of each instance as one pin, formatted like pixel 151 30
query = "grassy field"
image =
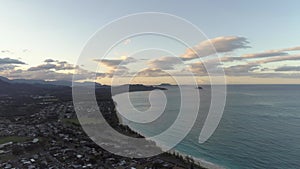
pixel 13 139
pixel 83 120
pixel 71 121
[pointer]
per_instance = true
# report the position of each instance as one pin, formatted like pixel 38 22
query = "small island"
pixel 165 84
pixel 130 88
pixel 141 87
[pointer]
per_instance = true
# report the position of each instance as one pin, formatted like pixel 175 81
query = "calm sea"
pixel 260 127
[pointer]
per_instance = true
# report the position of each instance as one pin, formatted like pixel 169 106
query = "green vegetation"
pixel 7 157
pixel 73 121
pixel 15 139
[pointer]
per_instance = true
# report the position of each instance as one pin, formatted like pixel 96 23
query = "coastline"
pixel 197 161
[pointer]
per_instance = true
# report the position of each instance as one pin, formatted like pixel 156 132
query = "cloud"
pixel 206 67
pixel 10 61
pixel 49 60
pixel 270 53
pixel 288 68
pixel 286 58
pixel 248 68
pixel 165 63
pixel 220 44
pixel 117 71
pixel 198 68
pixel 152 72
pixel 7 67
pixel 276 75
pixel 112 63
pixel 53 65
pixel 42 75
pixel 224 59
pixel 116 67
pixel 245 67
pixel 279 58
pixel 49 72
pixel 5 51
pixel 256 68
pixel 229 59
pixel 242 70
pixel 292 48
pixel 42 67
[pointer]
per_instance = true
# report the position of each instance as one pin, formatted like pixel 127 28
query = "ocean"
pixel 260 127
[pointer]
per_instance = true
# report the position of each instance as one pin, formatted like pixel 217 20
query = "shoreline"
pixel 198 161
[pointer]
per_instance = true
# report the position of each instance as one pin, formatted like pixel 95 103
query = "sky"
pixel 256 41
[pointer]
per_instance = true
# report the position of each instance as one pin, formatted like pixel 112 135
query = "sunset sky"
pixel 257 41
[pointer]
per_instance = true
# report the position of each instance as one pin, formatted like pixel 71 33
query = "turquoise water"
pixel 260 127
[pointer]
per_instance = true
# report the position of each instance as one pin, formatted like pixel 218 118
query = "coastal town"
pixel 52 137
